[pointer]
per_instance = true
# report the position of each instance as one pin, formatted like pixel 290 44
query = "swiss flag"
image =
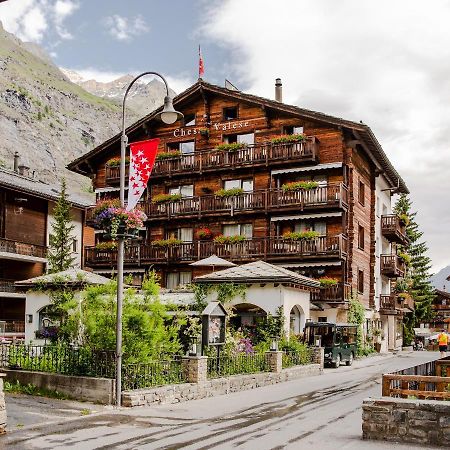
pixel 142 160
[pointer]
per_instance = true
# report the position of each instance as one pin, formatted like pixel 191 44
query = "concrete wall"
pixel 425 422
pixel 176 393
pixel 100 390
pixel 3 418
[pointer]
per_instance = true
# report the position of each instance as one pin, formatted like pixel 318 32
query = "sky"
pixel 384 62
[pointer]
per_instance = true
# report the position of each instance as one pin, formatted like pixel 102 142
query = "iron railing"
pixel 22 248
pixel 65 360
pixel 224 366
pixel 293 358
pixel 156 373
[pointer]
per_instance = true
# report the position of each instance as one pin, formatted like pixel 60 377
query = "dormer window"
pixel 230 113
pixel 189 120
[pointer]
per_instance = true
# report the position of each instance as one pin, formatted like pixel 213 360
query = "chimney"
pixel 278 90
pixel 24 170
pixel 16 162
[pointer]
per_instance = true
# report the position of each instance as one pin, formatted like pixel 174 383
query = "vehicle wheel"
pixel 338 361
pixel 350 360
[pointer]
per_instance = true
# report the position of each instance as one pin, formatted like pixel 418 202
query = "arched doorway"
pixel 297 320
pixel 248 316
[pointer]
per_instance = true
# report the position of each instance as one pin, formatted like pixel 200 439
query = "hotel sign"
pixel 225 126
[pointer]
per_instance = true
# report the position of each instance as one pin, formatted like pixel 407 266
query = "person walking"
pixel 443 342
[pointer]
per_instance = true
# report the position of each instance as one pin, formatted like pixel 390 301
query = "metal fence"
pixel 65 360
pixel 297 358
pixel 223 366
pixel 157 373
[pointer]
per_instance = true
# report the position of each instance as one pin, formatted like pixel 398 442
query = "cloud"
pixel 125 28
pixel 30 20
pixel 383 62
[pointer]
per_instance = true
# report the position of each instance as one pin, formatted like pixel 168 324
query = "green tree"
pixel 418 272
pixel 60 249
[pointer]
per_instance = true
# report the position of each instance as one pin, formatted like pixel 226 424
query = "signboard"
pixel 213 324
pixel 225 126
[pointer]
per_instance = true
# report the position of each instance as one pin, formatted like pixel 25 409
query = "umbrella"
pixel 213 261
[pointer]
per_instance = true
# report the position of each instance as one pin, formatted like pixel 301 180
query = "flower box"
pixel 109 245
pixel 204 234
pixel 168 155
pixel 231 147
pixel 300 235
pixel 115 162
pixel 166 198
pixel 229 239
pixel 299 185
pixel 288 138
pixel 204 132
pixel 164 243
pixel 328 282
pixel 229 192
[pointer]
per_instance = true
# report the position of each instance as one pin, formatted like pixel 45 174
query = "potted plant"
pixel 328 282
pixel 107 245
pixel 234 147
pixel 118 221
pixel 221 239
pixel 299 185
pixel 115 162
pixel 168 155
pixel 204 234
pixel 204 132
pixel 166 198
pixel 288 138
pixel 164 243
pixel 300 235
pixel 229 192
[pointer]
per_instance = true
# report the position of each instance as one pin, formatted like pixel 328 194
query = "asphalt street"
pixel 322 412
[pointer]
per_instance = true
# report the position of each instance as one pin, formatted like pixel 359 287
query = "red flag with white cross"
pixel 142 160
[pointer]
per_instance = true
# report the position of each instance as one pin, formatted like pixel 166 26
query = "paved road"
pixel 322 412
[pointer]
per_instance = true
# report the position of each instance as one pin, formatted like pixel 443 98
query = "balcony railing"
pixel 271 249
pixel 12 326
pixel 112 174
pixel 7 286
pixel 212 160
pixel 332 294
pixel 334 195
pixel 393 229
pixel 392 266
pixel 22 248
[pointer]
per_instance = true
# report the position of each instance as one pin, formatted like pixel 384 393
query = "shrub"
pixel 404 219
pixel 229 192
pixel 300 235
pixel 167 155
pixel 221 239
pixel 231 147
pixel 166 198
pixel 166 242
pixel 299 185
pixel 115 162
pixel 328 282
pixel 287 138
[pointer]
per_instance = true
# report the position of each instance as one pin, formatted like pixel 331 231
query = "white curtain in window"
pixel 230 230
pixel 186 234
pixel 187 190
pixel 187 148
pixel 185 278
pixel 321 228
pixel 247 185
pixel 172 280
pixel 247 230
pixel 231 184
pixel 246 138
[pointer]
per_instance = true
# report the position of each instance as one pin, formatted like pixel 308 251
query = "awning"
pixel 308 169
pixel 311 264
pixel 306 216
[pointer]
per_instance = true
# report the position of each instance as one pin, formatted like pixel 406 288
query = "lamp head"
pixel 169 115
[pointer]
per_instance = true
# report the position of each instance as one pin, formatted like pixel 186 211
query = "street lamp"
pixel 168 115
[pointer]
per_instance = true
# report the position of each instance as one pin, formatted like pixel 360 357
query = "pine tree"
pixel 418 274
pixel 60 250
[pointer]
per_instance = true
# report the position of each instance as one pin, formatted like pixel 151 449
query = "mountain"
pixel 45 117
pixel 143 98
pixel 439 280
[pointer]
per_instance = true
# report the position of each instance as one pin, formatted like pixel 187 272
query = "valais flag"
pixel 142 160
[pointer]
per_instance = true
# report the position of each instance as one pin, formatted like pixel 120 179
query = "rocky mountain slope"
pixel 439 280
pixel 143 98
pixel 45 117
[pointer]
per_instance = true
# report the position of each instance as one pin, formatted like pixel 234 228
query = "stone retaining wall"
pixel 219 386
pixel 2 406
pixel 401 420
pixel 100 390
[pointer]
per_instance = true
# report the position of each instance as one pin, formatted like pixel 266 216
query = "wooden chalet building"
pixel 347 205
pixel 26 206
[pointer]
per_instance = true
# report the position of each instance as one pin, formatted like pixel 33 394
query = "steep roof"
pixel 16 182
pixel 362 132
pixel 258 272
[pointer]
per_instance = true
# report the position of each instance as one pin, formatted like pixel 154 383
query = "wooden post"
pixel 386 387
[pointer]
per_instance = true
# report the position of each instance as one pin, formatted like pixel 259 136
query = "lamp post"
pixel 168 115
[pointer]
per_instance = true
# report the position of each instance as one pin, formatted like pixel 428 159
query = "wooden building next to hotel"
pixel 200 189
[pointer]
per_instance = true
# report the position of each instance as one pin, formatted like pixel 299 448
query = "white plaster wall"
pixel 296 297
pixel 77 233
pixel 34 302
pixel 330 314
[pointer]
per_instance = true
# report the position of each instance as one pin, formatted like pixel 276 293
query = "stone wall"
pixel 192 391
pixel 401 420
pixel 100 390
pixel 2 406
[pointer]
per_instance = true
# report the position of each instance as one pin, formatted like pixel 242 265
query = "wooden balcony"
pixel 393 229
pixel 333 294
pixel 392 266
pixel 391 304
pixel 23 249
pixel 268 249
pixel 12 327
pixel 253 155
pixel 270 200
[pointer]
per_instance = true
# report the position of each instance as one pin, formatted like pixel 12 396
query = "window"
pixel 320 227
pixel 74 245
pixel 322 319
pixel 186 190
pixel 247 138
pixel 186 148
pixel 361 237
pixel 178 279
pixel 230 113
pixel 361 281
pixel 189 120
pixel 246 185
pixel 293 130
pixel 238 229
pixel 183 234
pixel 378 206
pixel 361 196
